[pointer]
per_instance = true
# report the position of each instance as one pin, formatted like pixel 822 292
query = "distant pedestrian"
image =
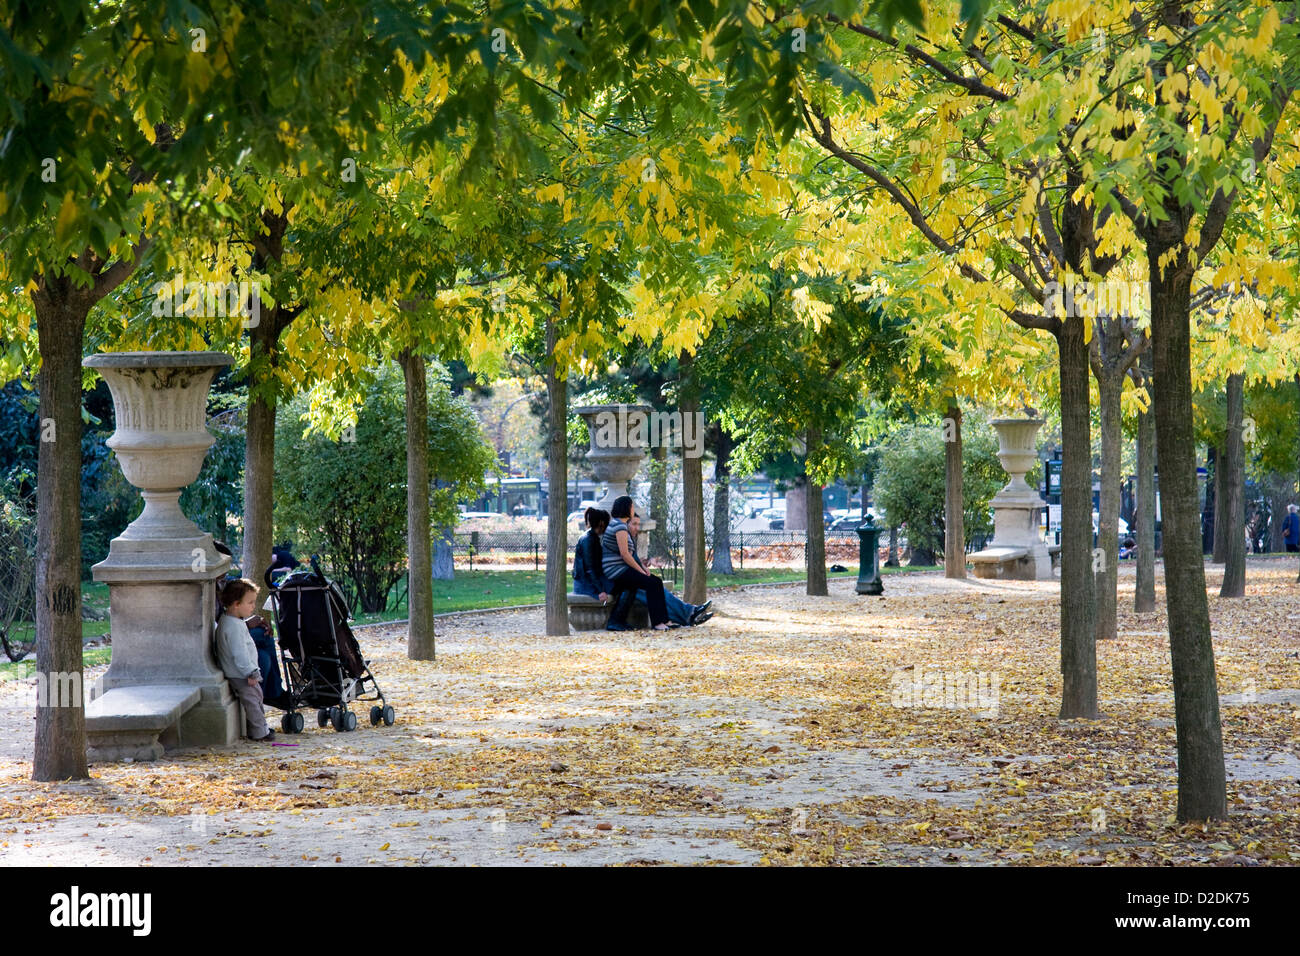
pixel 1291 529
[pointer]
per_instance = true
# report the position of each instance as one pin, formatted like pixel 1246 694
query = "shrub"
pixel 347 499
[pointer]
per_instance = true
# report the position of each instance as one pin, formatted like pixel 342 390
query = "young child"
pixel 237 654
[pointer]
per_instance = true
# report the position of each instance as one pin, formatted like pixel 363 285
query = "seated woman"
pixel 588 561
pixel 259 630
pixel 679 612
pixel 627 573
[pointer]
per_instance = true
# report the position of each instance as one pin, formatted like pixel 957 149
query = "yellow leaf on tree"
pixel 67 217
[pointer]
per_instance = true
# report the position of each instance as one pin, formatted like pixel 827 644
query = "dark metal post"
pixel 869 559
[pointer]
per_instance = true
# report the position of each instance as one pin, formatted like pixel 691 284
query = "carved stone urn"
pixel 1017 549
pixel 162 571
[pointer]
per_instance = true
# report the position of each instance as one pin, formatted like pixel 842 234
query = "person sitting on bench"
pixel 679 612
pixel 627 573
pixel 588 559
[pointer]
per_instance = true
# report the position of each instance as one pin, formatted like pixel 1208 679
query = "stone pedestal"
pixel 1017 550
pixel 162 571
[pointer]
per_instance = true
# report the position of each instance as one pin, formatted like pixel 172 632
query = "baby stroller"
pixel 321 659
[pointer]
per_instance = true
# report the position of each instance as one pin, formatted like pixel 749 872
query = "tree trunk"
pixel 1078 607
pixel 60 752
pixel 920 557
pixel 1232 510
pixel 796 505
pixel 259 451
pixel 1202 790
pixel 444 563
pixel 1110 389
pixel 1279 496
pixel 557 483
pixel 722 505
pixel 259 455
pixel 658 547
pixel 815 551
pixel 1218 554
pixel 1144 599
pixel 1207 512
pixel 954 532
pixel 891 559
pixel 421 644
pixel 695 589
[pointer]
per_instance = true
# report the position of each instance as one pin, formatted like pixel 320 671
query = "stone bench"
pixel 1055 551
pixel 997 562
pixel 127 722
pixel 587 613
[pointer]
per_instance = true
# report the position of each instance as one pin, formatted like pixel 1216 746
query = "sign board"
pixel 1052 470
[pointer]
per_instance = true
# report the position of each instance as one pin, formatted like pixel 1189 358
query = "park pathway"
pixel 915 728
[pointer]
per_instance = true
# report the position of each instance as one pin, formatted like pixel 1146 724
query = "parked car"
pixel 778 524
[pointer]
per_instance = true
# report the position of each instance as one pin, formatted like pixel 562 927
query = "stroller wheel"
pixel 322 717
pixel 343 720
pixel 389 716
pixel 298 722
pixel 286 723
pixel 376 715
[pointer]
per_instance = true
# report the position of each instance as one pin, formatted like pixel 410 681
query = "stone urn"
pixel 1017 549
pixel 162 571
pixel 619 437
pixel 618 443
pixel 1016 452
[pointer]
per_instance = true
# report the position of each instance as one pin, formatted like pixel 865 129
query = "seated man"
pixel 268 661
pixel 679 612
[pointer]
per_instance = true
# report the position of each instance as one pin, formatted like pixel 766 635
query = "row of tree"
pixel 409 182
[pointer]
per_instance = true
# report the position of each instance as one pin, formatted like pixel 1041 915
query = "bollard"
pixel 869 559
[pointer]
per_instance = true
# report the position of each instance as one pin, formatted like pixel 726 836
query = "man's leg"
pixel 679 612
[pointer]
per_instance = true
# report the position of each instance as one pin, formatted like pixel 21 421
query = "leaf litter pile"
pixel 920 728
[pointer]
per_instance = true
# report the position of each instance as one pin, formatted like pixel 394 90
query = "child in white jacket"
pixel 237 654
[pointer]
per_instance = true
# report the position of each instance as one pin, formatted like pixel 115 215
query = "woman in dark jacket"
pixel 588 560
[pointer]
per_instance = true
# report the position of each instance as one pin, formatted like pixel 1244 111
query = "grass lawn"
pixel 475 590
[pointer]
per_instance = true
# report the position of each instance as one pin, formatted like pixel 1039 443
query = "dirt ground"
pixel 917 728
